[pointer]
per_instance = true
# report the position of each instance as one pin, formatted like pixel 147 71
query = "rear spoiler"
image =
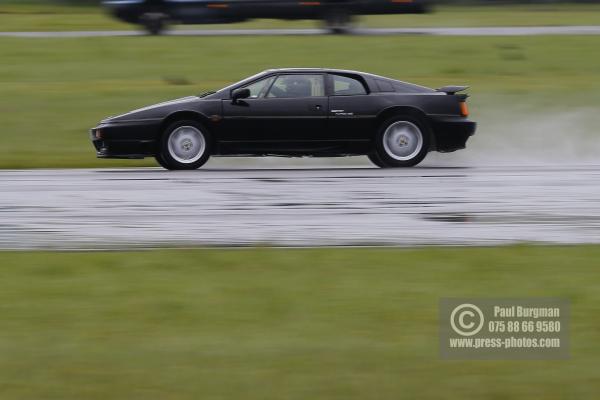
pixel 451 89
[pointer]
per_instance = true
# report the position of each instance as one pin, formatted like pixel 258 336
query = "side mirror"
pixel 238 94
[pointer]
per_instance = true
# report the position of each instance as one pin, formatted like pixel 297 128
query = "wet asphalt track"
pixel 71 209
pixel 471 31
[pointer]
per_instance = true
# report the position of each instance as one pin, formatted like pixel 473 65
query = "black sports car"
pixel 155 15
pixel 294 112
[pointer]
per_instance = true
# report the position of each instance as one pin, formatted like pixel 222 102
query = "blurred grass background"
pixel 280 324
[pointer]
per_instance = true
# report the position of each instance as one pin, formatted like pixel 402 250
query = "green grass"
pixel 54 90
pixel 46 17
pixel 32 17
pixel 280 324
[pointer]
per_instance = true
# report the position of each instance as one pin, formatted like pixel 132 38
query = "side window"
pixel 293 86
pixel 259 89
pixel 346 86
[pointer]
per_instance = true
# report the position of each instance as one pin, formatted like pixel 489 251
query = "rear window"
pixel 403 87
pixel 385 86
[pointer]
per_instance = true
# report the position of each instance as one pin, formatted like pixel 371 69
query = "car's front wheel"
pixel 374 158
pixel 401 142
pixel 155 23
pixel 184 145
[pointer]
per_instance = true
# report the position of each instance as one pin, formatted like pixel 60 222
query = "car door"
pixel 351 112
pixel 281 108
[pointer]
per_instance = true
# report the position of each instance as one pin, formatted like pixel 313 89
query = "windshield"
pixel 253 77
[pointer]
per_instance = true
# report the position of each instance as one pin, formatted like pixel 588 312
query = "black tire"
pixel 338 21
pixel 190 149
pixel 160 161
pixel 374 158
pixel 154 23
pixel 393 154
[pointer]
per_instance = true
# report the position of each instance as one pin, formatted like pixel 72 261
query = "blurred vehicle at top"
pixel 337 15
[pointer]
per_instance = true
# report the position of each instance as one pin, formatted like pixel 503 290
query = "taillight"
pixel 464 110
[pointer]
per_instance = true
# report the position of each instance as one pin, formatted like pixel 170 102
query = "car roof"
pixel 332 70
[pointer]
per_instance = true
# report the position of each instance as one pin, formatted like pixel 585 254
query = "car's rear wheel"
pixel 184 145
pixel 402 141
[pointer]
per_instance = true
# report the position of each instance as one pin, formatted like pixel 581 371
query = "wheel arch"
pixel 410 111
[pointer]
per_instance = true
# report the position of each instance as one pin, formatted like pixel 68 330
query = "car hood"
pixel 153 111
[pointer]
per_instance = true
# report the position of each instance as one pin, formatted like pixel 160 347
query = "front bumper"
pixel 452 133
pixel 123 149
pixel 125 140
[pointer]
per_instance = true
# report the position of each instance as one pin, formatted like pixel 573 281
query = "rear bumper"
pixel 452 133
